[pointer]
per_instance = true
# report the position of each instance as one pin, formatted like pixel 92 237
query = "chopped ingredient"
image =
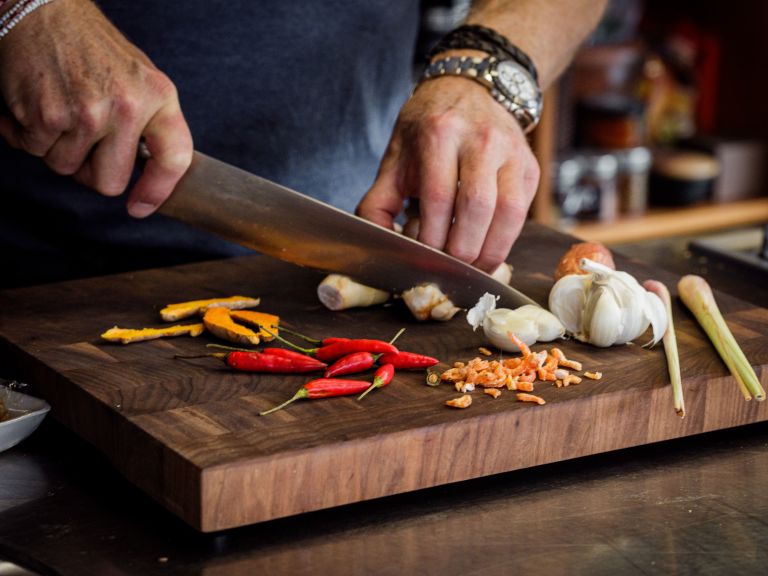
pixel 593 375
pixel 219 322
pixel 572 364
pixel 174 312
pixel 571 379
pixel 461 402
pixel 427 301
pixel 260 320
pixel 530 398
pixel 494 392
pixel 485 351
pixel 129 335
pixel 433 379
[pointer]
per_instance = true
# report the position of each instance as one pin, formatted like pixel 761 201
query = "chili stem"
pixel 300 335
pixel 309 351
pixel 397 335
pixel 302 393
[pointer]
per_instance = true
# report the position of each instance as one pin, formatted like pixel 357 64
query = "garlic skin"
pixel 529 323
pixel 605 307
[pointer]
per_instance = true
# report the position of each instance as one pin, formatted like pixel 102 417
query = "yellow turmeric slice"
pixel 260 320
pixel 180 310
pixel 219 323
pixel 128 335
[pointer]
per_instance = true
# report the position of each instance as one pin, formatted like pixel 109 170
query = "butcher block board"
pixel 189 434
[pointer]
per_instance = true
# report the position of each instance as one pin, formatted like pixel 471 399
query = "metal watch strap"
pixel 525 111
pixel 476 37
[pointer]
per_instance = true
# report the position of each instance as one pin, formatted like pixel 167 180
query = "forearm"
pixel 549 31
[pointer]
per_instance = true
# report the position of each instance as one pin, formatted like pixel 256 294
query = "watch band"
pixel 509 83
pixel 476 37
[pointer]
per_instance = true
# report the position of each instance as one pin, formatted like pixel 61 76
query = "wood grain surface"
pixel 188 431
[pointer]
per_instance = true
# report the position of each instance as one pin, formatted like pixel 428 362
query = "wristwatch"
pixel 508 81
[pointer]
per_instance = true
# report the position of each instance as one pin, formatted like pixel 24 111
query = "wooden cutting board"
pixel 189 433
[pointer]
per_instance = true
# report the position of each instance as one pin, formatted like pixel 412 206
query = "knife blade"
pixel 272 219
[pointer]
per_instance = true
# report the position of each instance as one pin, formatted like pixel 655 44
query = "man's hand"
pixel 467 161
pixel 80 96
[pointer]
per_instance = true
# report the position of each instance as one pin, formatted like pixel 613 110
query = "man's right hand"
pixel 80 96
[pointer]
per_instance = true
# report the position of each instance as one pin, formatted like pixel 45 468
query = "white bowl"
pixel 26 413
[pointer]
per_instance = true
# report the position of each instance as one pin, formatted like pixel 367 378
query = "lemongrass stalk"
pixel 697 296
pixel 670 346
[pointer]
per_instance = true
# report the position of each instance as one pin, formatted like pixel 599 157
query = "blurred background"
pixel 657 134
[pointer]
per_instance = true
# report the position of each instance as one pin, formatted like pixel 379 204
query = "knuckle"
pixel 90 118
pixel 441 124
pixel 464 253
pixel 54 119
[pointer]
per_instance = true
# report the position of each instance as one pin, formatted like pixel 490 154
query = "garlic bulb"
pixel 605 307
pixel 529 323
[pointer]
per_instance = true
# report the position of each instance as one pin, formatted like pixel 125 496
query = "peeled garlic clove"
pixel 503 273
pixel 339 292
pixel 479 311
pixel 502 321
pixel 547 324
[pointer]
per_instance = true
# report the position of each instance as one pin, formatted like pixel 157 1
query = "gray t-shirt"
pixel 302 92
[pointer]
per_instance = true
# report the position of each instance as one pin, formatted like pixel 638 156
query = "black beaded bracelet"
pixel 476 37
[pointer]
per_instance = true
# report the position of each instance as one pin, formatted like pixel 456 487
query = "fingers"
pixel 169 140
pixel 435 176
pixel 383 201
pixel 516 186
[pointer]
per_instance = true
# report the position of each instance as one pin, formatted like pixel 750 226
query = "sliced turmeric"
pixel 219 322
pixel 128 335
pixel 174 312
pixel 260 320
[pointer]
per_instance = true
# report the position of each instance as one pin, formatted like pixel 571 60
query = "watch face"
pixel 515 83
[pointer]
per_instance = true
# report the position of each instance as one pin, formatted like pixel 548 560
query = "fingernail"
pixel 141 209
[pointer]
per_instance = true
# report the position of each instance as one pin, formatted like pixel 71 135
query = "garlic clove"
pixel 500 322
pixel 547 325
pixel 479 311
pixel 656 312
pixel 602 319
pixel 568 298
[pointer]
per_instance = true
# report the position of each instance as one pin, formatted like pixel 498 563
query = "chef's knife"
pixel 280 222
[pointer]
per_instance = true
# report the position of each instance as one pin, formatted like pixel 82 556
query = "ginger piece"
pixel 339 292
pixel 219 322
pixel 129 335
pixel 174 312
pixel 261 320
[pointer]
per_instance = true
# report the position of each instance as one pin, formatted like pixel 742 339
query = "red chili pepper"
pixel 351 364
pixel 323 388
pixel 258 362
pixel 285 353
pixel 339 349
pixel 333 340
pixel 381 378
pixel 408 360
